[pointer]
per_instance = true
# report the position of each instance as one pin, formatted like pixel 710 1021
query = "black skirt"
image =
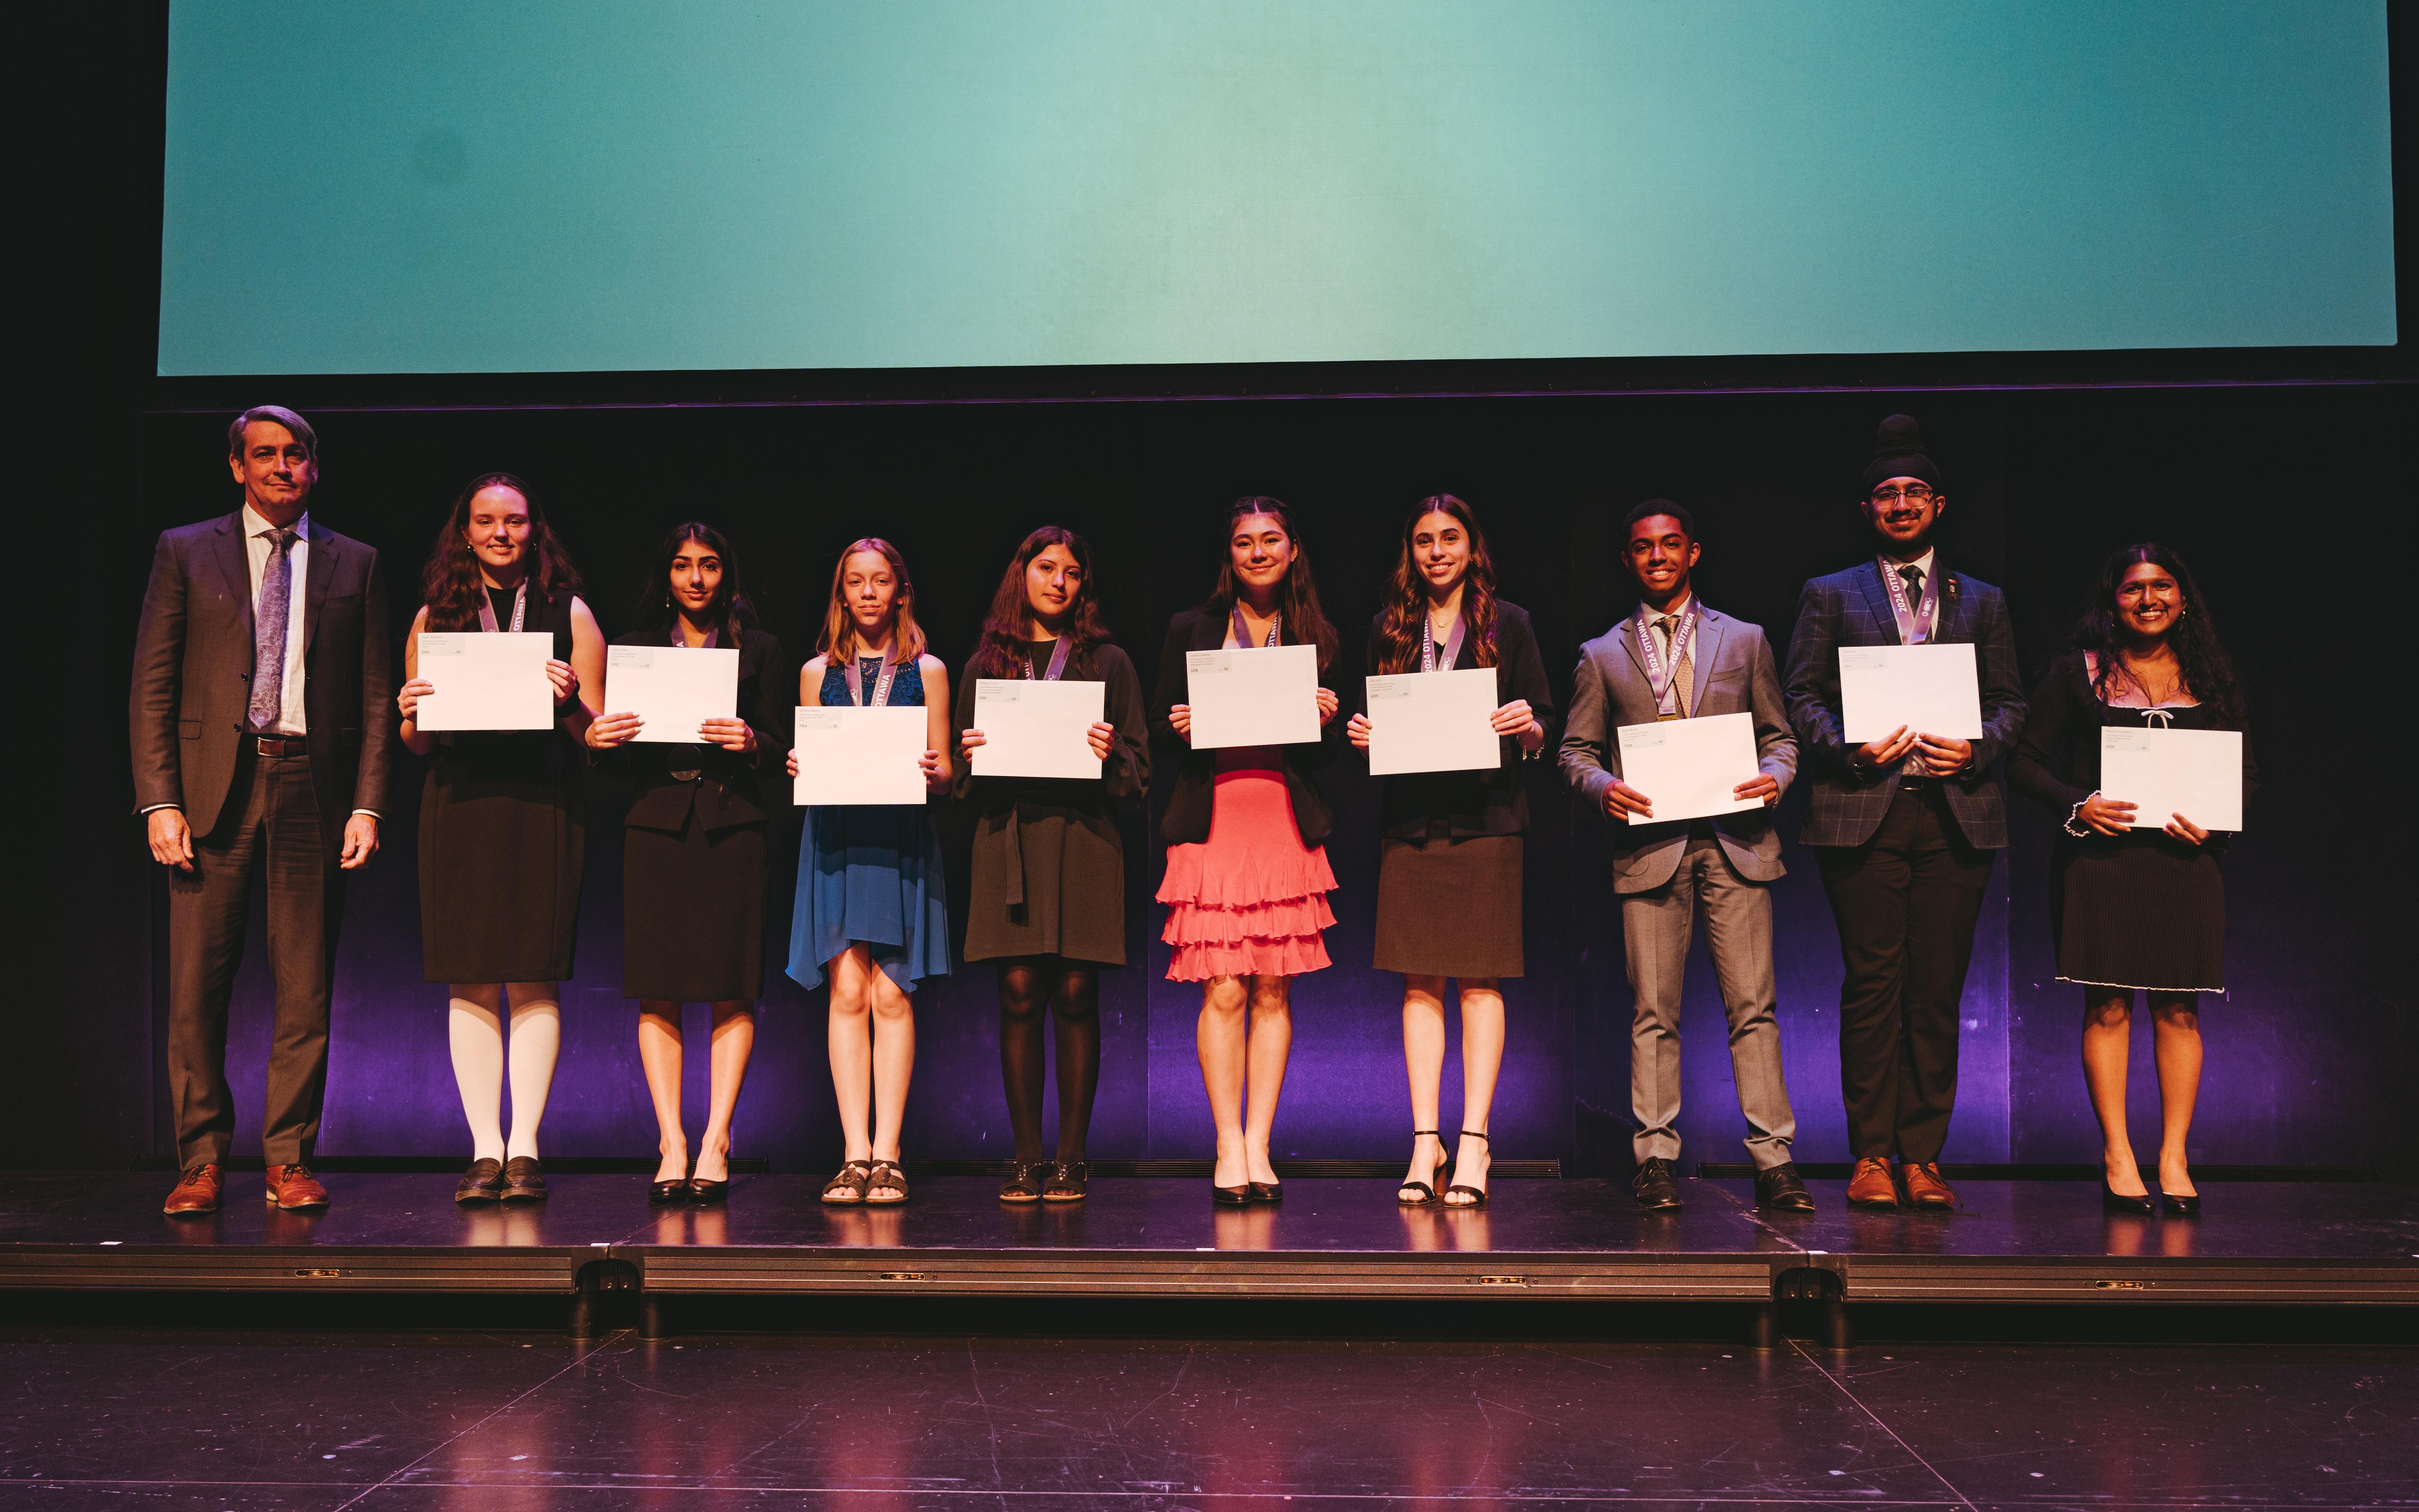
pixel 1450 907
pixel 501 845
pixel 693 913
pixel 2140 910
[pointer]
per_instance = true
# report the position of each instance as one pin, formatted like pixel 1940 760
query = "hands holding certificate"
pixel 1624 802
pixel 1098 736
pixel 1514 718
pixel 1180 714
pixel 612 729
pixel 1934 755
pixel 2113 816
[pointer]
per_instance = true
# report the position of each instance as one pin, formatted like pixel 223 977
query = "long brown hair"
pixel 1001 649
pixel 838 638
pixel 1296 597
pixel 450 585
pixel 1406 594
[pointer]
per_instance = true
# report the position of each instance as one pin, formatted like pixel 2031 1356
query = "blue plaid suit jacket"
pixel 1851 609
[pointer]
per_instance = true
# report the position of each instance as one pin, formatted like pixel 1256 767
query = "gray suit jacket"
pixel 1853 608
pixel 192 673
pixel 1734 674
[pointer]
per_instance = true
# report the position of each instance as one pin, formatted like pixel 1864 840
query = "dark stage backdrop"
pixel 2291 503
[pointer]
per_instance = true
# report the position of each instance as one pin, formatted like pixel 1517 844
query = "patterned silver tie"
pixel 269 631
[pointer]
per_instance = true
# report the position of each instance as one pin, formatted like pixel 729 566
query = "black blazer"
pixel 1474 803
pixel 1123 776
pixel 730 789
pixel 1187 820
pixel 192 673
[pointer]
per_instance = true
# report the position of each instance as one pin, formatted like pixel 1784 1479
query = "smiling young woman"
pixel 502 840
pixel 693 848
pixel 1449 873
pixel 1247 874
pixel 873 907
pixel 2135 909
pixel 1047 888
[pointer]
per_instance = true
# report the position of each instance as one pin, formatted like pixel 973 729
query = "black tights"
pixel 1068 992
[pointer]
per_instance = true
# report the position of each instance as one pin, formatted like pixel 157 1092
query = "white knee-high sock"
pixel 537 1036
pixel 476 1035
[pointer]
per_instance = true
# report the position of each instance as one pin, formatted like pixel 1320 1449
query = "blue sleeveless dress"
pixel 871 875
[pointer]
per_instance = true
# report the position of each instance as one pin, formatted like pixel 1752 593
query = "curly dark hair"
pixel 733 611
pixel 1297 598
pixel 2208 672
pixel 450 585
pixel 1001 648
pixel 1406 594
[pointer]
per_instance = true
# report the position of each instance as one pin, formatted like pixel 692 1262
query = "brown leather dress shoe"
pixel 1925 1188
pixel 294 1186
pixel 1872 1185
pixel 197 1191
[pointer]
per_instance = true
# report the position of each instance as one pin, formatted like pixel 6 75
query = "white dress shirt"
pixel 259 543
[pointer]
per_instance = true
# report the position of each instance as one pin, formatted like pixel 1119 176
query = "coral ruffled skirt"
pixel 1252 900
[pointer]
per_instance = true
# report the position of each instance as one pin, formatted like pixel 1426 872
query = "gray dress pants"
pixel 1656 926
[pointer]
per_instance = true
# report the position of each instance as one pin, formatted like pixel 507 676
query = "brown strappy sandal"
pixel 1024 1184
pixel 1428 1195
pixel 849 1183
pixel 887 1177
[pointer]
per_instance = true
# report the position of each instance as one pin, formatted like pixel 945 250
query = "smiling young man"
pixel 1904 826
pixel 261 716
pixel 1675 658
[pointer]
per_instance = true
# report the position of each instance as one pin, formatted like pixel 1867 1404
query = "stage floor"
pixel 2012 1242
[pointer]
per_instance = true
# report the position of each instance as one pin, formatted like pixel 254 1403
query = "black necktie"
pixel 1913 578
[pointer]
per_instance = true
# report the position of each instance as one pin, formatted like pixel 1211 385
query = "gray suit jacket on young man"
pixel 1853 608
pixel 1734 674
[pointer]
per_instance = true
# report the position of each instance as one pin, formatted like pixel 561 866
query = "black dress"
pixel 694 844
pixel 1451 857
pixel 1048 875
pixel 2142 909
pixel 501 842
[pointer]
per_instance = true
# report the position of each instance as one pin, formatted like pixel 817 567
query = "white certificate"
pixel 2196 773
pixel 1687 768
pixel 848 755
pixel 485 682
pixel 672 688
pixel 1931 689
pixel 1268 696
pixel 1036 729
pixel 1433 722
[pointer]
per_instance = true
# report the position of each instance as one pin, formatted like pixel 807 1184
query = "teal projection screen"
pixel 479 186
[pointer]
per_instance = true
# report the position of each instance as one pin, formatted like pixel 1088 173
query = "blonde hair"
pixel 838 639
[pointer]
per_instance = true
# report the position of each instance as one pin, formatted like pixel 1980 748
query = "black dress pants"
pixel 1905 901
pixel 271 825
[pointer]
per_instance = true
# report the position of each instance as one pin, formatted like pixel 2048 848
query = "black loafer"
pixel 1778 1189
pixel 482 1182
pixel 1657 1189
pixel 524 1179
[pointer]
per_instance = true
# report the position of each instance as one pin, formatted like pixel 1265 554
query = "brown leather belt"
pixel 279 745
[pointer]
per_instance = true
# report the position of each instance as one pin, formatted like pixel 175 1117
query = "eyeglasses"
pixel 1913 493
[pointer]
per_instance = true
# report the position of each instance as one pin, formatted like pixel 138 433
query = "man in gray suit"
pixel 1904 827
pixel 1677 659
pixel 262 714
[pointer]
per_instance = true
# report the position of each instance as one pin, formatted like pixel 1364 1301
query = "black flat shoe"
pixel 524 1179
pixel 1230 1196
pixel 2112 1200
pixel 701 1191
pixel 1266 1191
pixel 1654 1187
pixel 482 1182
pixel 2177 1206
pixel 675 1190
pixel 1780 1189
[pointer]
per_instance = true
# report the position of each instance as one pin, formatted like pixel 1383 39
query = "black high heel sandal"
pixel 1477 1198
pixel 1427 1197
pixel 2112 1200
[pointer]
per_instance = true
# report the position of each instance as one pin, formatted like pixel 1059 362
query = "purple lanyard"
pixel 1244 636
pixel 487 607
pixel 1666 684
pixel 1057 661
pixel 1915 627
pixel 1430 660
pixel 882 681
